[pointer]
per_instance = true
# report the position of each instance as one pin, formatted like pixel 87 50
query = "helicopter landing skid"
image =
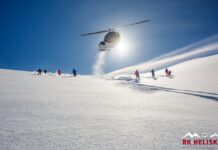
pixel 103 50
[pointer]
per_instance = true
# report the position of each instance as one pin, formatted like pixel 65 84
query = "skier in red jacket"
pixel 59 72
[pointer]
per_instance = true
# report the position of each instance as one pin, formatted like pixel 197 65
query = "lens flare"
pixel 122 48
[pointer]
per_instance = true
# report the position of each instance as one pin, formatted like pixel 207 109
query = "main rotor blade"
pixel 91 33
pixel 108 30
pixel 132 24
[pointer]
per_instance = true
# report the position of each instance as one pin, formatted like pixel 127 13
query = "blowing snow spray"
pixel 98 68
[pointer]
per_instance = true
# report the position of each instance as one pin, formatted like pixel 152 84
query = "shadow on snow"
pixel 150 89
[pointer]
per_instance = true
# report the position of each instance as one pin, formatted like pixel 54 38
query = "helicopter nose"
pixel 102 43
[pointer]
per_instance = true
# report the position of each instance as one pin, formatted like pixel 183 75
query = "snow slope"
pixel 204 48
pixel 197 75
pixel 89 113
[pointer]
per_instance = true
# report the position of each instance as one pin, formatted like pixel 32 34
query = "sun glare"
pixel 122 48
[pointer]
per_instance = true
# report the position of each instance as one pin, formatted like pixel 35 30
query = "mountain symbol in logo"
pixel 190 135
pixel 214 135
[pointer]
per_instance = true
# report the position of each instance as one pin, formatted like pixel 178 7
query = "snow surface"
pixel 90 113
pixel 206 47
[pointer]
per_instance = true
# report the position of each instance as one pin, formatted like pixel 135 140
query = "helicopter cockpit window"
pixel 102 43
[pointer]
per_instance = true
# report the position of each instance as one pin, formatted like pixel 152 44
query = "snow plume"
pixel 98 68
pixel 199 49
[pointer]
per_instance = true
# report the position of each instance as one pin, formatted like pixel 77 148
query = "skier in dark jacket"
pixel 45 71
pixel 153 73
pixel 74 72
pixel 137 74
pixel 169 73
pixel 39 71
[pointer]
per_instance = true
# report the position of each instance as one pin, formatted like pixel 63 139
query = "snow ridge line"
pixel 203 48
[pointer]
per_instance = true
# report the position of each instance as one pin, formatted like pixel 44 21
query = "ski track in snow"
pixel 90 113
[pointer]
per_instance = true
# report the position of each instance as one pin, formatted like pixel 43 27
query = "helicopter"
pixel 112 38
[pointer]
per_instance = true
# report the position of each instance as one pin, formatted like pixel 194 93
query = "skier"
pixel 45 71
pixel 137 74
pixel 153 73
pixel 74 72
pixel 167 72
pixel 39 71
pixel 59 72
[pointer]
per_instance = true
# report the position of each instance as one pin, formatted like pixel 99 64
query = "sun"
pixel 122 48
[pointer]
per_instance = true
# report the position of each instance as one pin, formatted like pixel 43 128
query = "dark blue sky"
pixel 46 33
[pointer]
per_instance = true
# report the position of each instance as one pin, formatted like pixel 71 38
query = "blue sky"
pixel 46 33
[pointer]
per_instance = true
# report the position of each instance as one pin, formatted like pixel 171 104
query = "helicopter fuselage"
pixel 110 41
pixel 112 38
